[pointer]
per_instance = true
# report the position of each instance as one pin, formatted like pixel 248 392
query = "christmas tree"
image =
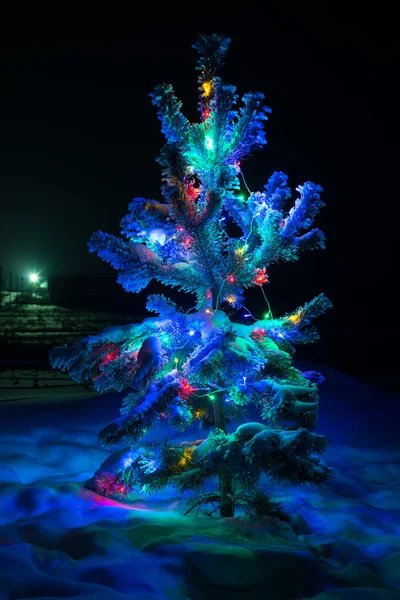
pixel 201 365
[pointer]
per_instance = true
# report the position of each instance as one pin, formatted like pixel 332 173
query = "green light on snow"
pixel 209 142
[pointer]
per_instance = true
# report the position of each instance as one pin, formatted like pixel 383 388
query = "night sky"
pixel 79 139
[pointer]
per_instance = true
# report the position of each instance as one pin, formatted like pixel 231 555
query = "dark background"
pixel 79 138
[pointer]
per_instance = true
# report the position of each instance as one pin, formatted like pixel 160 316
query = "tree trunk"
pixel 227 507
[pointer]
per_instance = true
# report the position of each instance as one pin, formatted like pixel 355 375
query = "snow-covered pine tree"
pixel 201 365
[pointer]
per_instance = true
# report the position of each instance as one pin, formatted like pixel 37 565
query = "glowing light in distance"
pixel 34 277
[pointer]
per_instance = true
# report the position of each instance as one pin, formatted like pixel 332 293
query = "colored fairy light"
pixel 246 315
pixel 260 277
pixel 127 462
pixel 192 332
pixel 241 197
pixel 112 355
pixel 208 311
pixel 295 319
pixel 240 251
pixel 186 389
pixel 207 88
pixel 231 279
pixel 186 458
pixel 230 298
pixel 258 334
pixel 176 360
pixel 211 396
pixel 222 218
pixel 209 142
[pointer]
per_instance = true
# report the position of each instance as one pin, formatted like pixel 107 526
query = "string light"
pixel 240 251
pixel 295 319
pixel 186 458
pixel 231 299
pixel 232 279
pixel 186 389
pixel 260 277
pixel 211 396
pixel 192 332
pixel 258 334
pixel 208 88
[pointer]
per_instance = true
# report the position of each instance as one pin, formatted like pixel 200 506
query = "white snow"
pixel 58 539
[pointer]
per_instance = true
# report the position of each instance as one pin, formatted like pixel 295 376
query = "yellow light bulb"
pixel 231 299
pixel 295 318
pixel 208 88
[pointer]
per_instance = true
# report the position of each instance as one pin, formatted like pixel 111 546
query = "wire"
pixel 244 181
pixel 266 300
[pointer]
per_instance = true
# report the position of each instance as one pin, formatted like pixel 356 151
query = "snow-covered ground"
pixel 58 539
